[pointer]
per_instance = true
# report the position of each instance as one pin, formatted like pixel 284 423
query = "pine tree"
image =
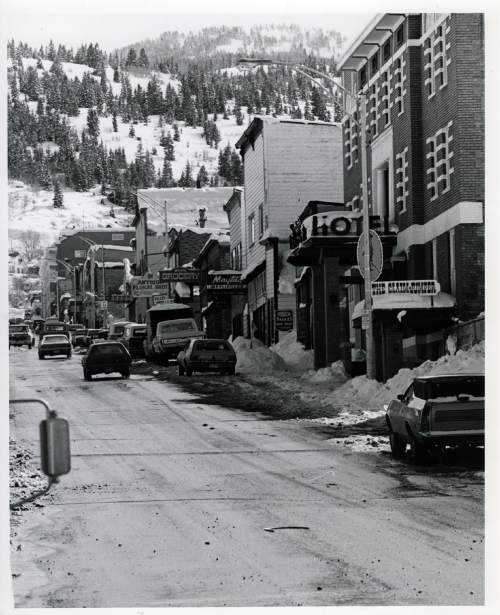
pixel 93 123
pixel 131 132
pixel 58 196
pixel 115 123
pixel 177 136
pixel 166 179
pixel 116 75
pixel 236 175
pixel 202 178
pixel 186 179
pixel 238 115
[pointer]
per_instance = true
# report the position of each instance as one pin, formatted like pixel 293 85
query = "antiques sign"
pixel 145 287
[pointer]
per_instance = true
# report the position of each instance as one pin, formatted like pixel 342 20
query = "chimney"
pixel 203 217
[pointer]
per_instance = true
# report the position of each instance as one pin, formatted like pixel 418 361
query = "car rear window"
pixel 107 350
pixel 176 325
pixel 18 329
pixel 55 328
pixel 55 339
pixel 473 386
pixel 212 345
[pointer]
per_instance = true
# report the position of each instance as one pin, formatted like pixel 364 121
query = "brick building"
pixel 287 163
pixel 423 75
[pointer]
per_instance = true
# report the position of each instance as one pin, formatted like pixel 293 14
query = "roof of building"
pixel 258 122
pixel 369 39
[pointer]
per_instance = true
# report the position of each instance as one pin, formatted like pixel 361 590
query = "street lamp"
pixel 72 271
pixel 360 101
pixel 92 244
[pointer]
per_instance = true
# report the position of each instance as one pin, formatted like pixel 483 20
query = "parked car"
pixel 21 335
pixel 91 335
pixel 172 335
pixel 436 411
pixel 76 331
pixel 116 329
pixel 106 357
pixel 207 355
pixel 78 337
pixel 133 339
pixel 103 334
pixel 53 345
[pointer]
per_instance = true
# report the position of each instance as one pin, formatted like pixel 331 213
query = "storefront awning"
pixel 406 301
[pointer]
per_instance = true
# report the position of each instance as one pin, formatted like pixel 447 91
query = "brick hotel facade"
pixel 423 75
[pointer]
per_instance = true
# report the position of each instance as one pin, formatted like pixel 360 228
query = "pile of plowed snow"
pixel 363 399
pixel 293 352
pixel 254 357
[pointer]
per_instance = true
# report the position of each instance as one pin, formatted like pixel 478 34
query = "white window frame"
pixel 447 160
pixel 402 169
pixel 251 229
pixel 430 43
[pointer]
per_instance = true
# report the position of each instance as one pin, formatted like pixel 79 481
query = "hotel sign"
pixel 424 288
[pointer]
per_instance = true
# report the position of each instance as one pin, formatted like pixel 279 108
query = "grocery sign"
pixel 181 274
pixel 424 288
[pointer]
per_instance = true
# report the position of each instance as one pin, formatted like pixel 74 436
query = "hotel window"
pixel 400 36
pixel 399 79
pixel 386 50
pixel 453 270
pixel 402 179
pixel 386 112
pixel 439 161
pixel 362 77
pixel 251 230
pixel 374 64
pixel 436 59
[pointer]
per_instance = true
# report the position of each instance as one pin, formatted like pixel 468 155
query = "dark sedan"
pixel 53 345
pixel 207 355
pixel 106 357
pixel 437 411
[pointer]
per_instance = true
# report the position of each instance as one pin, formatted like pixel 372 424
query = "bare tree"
pixel 31 245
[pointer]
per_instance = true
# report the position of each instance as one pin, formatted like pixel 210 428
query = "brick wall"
pixel 469 257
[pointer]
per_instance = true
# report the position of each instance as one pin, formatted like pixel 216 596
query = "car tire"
pixel 189 371
pixel 41 356
pixel 418 452
pixel 126 374
pixel 86 375
pixel 181 370
pixel 398 445
pixel 68 356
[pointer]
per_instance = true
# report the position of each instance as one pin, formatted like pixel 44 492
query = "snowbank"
pixel 362 399
pixel 258 359
pixel 334 374
pixel 293 352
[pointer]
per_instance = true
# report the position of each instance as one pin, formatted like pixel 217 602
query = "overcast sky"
pixel 115 24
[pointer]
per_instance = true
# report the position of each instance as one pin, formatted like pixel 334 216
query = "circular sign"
pixel 376 255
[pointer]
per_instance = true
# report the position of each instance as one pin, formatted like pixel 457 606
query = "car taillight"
pixel 424 421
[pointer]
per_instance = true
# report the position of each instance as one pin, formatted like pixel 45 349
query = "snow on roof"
pixel 111 264
pixel 280 235
pixel 404 301
pixel 99 246
pixel 224 272
pixel 67 232
pixel 249 270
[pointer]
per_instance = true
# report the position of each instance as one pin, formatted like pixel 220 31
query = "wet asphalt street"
pixel 172 502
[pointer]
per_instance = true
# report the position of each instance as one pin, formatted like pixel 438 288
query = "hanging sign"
pixel 424 288
pixel 225 282
pixel 144 287
pixel 284 320
pixel 181 274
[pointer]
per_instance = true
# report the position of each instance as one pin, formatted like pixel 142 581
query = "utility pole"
pixel 370 363
pixel 165 217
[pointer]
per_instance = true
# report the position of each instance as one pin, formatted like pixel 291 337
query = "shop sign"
pixel 102 305
pixel 118 298
pixel 181 274
pixel 425 288
pixel 226 282
pixel 284 320
pixel 161 299
pixel 146 287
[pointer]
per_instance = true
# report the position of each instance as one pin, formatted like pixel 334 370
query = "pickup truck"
pixel 155 344
pixel 172 335
pixel 437 411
